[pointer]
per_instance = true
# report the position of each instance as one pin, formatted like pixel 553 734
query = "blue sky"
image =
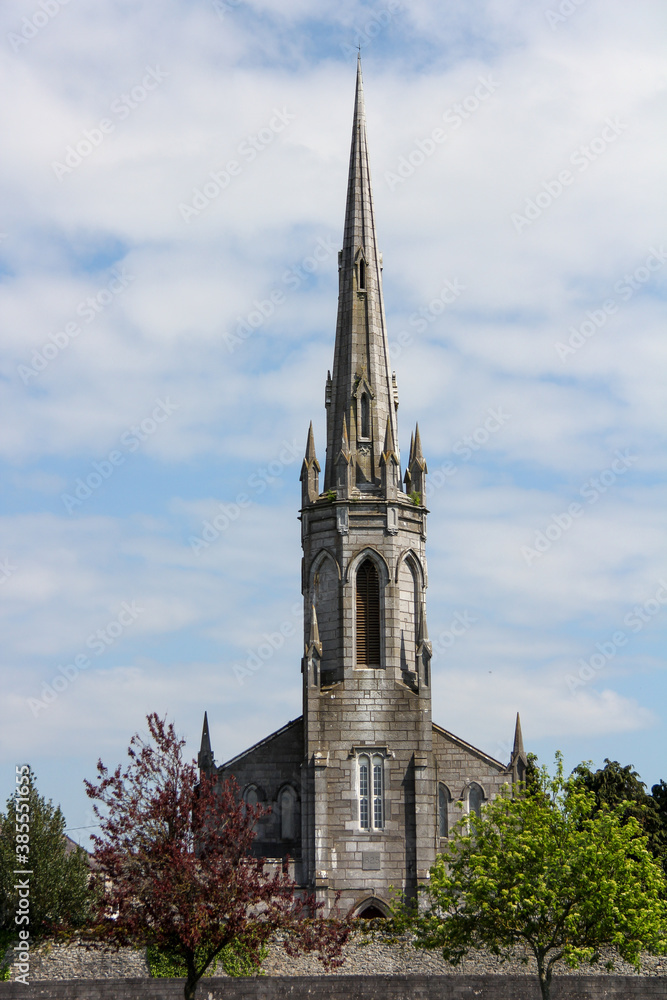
pixel 166 338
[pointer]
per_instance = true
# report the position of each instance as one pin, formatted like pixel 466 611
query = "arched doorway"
pixel 371 908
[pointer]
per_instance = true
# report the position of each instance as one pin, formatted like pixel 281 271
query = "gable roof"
pixel 261 743
pixel 470 748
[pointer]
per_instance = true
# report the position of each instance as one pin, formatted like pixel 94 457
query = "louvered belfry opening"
pixel 368 615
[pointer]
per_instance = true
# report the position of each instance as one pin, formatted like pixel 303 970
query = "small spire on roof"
pixel 518 749
pixel 205 760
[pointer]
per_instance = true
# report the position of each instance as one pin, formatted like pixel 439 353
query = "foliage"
pixel 330 495
pixel 234 959
pixel 550 872
pixel 614 785
pixel 58 882
pixel 176 871
pixel 532 781
pixel 658 836
pixel 416 498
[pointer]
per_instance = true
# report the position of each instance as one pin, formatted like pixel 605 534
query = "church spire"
pixel 361 389
pixel 519 759
pixel 205 759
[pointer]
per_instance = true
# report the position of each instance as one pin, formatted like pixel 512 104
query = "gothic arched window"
pixel 362 273
pixel 251 795
pixel 444 799
pixel 475 798
pixel 287 806
pixel 368 615
pixel 371 792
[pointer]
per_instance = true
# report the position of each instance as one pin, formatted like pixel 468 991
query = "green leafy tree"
pixel 658 839
pixel 58 883
pixel 550 873
pixel 615 785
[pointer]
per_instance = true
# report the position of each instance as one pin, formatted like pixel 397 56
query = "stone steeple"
pixel 363 788
pixel 360 391
pixel 366 664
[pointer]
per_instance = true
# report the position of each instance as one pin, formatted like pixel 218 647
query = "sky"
pixel 174 180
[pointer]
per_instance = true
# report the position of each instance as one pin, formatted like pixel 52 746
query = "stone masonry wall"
pixel 376 958
pixel 347 988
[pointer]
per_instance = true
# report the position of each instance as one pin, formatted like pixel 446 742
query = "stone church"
pixel 363 786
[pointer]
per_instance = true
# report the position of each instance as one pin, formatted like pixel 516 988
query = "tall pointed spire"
pixel 519 759
pixel 205 759
pixel 361 387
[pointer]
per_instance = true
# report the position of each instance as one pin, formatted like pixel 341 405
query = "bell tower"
pixel 368 769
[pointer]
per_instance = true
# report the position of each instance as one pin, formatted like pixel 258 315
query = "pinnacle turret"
pixel 344 466
pixel 518 749
pixel 519 759
pixel 415 474
pixel 390 469
pixel 310 472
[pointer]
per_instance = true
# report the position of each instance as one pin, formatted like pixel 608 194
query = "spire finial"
pixel 418 453
pixel 389 439
pixel 310 446
pixel 518 750
pixel 345 439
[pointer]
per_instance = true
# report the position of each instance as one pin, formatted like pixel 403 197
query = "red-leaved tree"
pixel 175 869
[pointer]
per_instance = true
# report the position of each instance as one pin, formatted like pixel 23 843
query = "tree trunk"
pixel 190 988
pixel 192 979
pixel 545 978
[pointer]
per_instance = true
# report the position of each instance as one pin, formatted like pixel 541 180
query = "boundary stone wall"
pixel 51 962
pixel 347 988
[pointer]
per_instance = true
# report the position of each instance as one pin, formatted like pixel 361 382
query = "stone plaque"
pixel 370 861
